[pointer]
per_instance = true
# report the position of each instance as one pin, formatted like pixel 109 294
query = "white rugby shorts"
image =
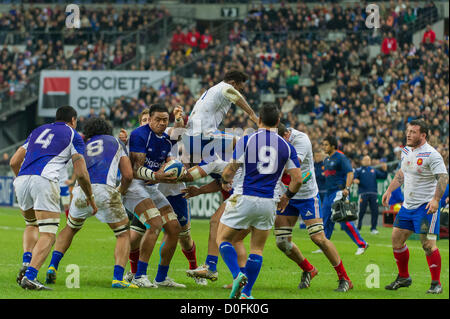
pixel 107 199
pixel 37 192
pixel 243 211
pixel 138 191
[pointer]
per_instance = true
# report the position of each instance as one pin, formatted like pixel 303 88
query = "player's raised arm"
pixel 237 79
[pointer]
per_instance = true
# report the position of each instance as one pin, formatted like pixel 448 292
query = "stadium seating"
pixel 334 79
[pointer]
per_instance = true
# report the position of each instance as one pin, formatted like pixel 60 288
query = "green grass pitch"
pixel 92 251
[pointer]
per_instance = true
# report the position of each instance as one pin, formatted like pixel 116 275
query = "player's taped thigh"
pixel 169 217
pixel 195 173
pixel 315 228
pixel 48 225
pixel 282 236
pixel 137 229
pixel 65 200
pixel 31 221
pixel 74 224
pixel 185 233
pixel 120 229
pixel 149 214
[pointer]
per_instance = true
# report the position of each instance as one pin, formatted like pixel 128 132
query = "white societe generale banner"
pixel 84 90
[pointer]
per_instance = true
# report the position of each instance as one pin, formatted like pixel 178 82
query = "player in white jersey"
pixel 425 179
pixel 306 203
pixel 208 113
pixel 37 165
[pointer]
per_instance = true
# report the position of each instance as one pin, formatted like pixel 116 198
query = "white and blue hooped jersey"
pixel 157 148
pixel 103 154
pixel 264 155
pixel 49 148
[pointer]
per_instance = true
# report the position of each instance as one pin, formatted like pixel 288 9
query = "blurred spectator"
pixel 4 161
pixel 429 36
pixel 205 40
pixel 193 38
pixel 178 39
pixel 389 44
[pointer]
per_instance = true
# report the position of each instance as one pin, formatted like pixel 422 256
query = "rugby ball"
pixel 175 168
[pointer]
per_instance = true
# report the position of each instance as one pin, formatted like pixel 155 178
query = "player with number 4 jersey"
pixel 104 156
pixel 37 165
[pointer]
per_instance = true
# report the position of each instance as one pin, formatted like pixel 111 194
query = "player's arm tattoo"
pixel 137 161
pixel 441 185
pixel 397 181
pixel 76 158
pixel 399 177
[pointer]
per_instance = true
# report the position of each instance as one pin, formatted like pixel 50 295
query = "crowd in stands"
pixel 39 30
pixel 371 99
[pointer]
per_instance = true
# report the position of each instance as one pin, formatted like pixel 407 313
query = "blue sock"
pixel 242 270
pixel 229 256
pixel 31 273
pixel 141 269
pixel 252 268
pixel 162 273
pixel 26 258
pixel 118 272
pixel 56 258
pixel 211 261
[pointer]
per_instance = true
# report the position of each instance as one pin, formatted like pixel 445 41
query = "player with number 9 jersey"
pixel 264 155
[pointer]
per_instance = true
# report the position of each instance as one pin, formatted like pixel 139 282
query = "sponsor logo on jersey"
pixel 419 161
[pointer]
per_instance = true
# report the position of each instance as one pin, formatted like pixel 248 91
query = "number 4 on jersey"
pixel 45 141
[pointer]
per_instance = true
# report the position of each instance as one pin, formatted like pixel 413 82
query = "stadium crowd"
pixel 40 31
pixel 371 99
pixel 370 102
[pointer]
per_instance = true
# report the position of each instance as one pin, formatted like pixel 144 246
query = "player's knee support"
pixel 282 236
pixel 31 222
pixel 65 200
pixel 315 229
pixel 74 224
pixel 48 225
pixel 149 214
pixel 137 229
pixel 119 230
pixel 184 233
pixel 169 217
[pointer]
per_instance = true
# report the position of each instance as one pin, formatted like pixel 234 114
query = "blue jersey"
pixel 49 148
pixel 320 178
pixel 264 156
pixel 103 154
pixel 156 147
pixel 368 176
pixel 335 171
